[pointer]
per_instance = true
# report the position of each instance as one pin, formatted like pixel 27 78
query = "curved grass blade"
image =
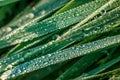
pixel 57 22
pixel 36 13
pixel 102 75
pixel 5 2
pixel 61 56
pixel 60 43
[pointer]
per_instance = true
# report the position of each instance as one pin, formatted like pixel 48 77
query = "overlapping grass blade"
pixel 84 32
pixel 60 56
pixel 69 5
pixel 36 13
pixel 57 22
pixel 60 43
pixel 72 4
pixel 96 22
pixel 110 55
pixel 43 72
pixel 80 66
pixel 102 67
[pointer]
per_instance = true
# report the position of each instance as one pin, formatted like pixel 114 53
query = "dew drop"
pixel 31 15
pixel 9 67
pixel 45 63
pixel 95 17
pixel 8 29
pixel 103 12
pixel 45 29
pixel 33 8
pixel 25 71
pixel 43 12
pixel 19 71
pixel 50 21
pixel 105 52
pixel 49 55
pixel 97 28
pixel 13 75
pixel 43 57
pixel 56 37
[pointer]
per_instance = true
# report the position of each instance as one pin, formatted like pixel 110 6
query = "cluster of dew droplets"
pixel 23 20
pixel 8 29
pixel 66 23
pixel 64 55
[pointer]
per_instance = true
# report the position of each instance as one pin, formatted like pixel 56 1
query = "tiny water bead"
pixel 56 37
pixel 9 67
pixel 103 12
pixel 106 52
pixel 43 12
pixel 31 15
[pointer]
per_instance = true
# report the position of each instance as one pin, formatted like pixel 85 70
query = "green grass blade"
pixel 103 67
pixel 91 16
pixel 60 56
pixel 69 5
pixel 63 42
pixel 86 62
pixel 4 9
pixel 43 72
pixel 110 55
pixel 60 40
pixel 91 24
pixel 102 75
pixel 5 2
pixel 57 22
pixel 72 4
pixel 36 13
pixel 25 45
